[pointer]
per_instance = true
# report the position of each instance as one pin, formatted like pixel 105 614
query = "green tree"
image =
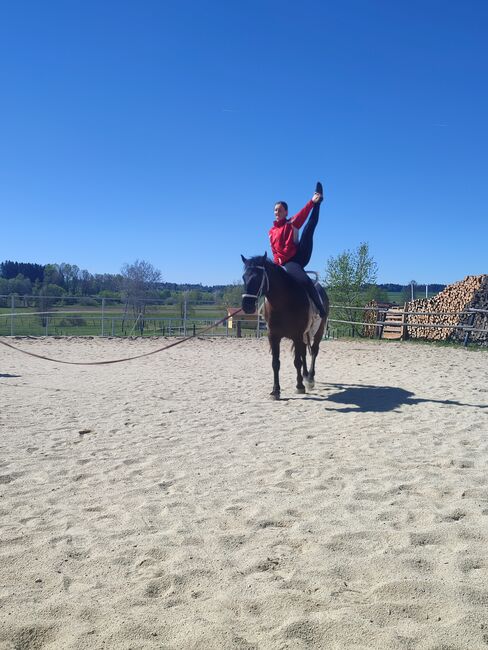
pixel 346 277
pixel 374 292
pixel 232 296
pixel 139 283
pixel 49 296
pixel 71 276
pixel 53 275
pixel 4 291
pixel 21 286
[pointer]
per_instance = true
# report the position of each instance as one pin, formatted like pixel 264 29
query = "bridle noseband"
pixel 260 290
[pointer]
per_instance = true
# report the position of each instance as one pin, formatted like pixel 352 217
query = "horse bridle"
pixel 260 290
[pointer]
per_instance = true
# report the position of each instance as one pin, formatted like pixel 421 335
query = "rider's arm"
pixel 300 217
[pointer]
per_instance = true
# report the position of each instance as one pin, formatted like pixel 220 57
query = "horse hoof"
pixel 301 391
pixel 274 395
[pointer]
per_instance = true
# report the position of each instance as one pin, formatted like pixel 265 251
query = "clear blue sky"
pixel 165 131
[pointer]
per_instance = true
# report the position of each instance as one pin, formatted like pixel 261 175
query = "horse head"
pixel 255 282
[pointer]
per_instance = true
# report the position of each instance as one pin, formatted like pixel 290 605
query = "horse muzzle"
pixel 249 304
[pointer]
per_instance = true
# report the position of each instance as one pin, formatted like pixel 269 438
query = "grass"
pixel 79 320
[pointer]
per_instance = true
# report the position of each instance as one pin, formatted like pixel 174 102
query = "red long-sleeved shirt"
pixel 283 236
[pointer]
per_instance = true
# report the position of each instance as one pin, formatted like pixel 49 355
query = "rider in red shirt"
pixel 291 252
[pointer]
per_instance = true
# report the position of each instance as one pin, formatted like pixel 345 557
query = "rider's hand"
pixel 316 197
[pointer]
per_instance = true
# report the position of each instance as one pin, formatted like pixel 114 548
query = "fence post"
pixel 184 316
pixel 12 315
pixel 468 332
pixel 47 324
pixel 103 315
pixel 239 330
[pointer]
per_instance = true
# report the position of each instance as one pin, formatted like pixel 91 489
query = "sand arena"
pixel 168 503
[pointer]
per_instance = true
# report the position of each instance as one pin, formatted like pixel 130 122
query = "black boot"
pixel 319 190
pixel 314 295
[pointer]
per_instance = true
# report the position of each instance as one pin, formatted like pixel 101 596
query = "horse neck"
pixel 276 283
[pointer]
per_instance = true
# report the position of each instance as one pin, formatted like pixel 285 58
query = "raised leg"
pixel 305 246
pixel 275 351
pixel 299 353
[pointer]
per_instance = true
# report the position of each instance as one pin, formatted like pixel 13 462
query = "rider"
pixel 290 252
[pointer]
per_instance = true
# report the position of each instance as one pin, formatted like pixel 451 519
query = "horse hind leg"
pixel 311 374
pixel 305 370
pixel 309 378
pixel 300 352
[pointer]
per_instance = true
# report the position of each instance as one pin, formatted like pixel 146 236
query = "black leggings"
pixel 299 274
pixel 305 246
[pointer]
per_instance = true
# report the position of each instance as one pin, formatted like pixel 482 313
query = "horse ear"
pixel 265 255
pixel 243 259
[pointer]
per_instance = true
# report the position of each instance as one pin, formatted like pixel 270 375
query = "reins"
pixel 138 356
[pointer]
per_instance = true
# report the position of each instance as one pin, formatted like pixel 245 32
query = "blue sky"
pixel 165 131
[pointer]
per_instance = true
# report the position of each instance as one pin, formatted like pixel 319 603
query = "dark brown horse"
pixel 289 314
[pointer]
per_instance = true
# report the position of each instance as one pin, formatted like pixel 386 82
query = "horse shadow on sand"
pixel 7 376
pixel 361 398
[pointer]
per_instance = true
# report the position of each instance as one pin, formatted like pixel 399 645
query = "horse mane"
pixel 271 267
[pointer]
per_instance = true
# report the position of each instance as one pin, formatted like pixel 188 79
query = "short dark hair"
pixel 283 203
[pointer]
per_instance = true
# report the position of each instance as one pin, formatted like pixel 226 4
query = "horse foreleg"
pixel 300 352
pixel 275 351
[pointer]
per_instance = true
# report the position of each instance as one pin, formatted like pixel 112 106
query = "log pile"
pixel 444 308
pixel 478 319
pixel 375 312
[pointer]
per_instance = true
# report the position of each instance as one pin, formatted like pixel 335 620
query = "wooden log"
pixel 454 298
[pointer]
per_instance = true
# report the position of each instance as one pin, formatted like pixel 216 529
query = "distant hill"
pixel 433 288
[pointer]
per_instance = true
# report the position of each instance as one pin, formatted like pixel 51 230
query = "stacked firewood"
pixel 445 308
pixel 374 313
pixel 477 318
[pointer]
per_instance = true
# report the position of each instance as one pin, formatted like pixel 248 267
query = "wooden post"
pixel 239 329
pixel 12 302
pixel 103 316
pixel 468 332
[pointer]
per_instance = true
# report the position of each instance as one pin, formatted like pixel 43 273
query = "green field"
pixel 159 320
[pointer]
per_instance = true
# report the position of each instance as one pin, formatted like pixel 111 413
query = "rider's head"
pixel 280 211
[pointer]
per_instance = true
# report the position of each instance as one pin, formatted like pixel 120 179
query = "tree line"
pixel 350 278
pixel 24 279
pixel 28 278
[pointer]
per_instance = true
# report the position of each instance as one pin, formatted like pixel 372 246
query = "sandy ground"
pixel 168 503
